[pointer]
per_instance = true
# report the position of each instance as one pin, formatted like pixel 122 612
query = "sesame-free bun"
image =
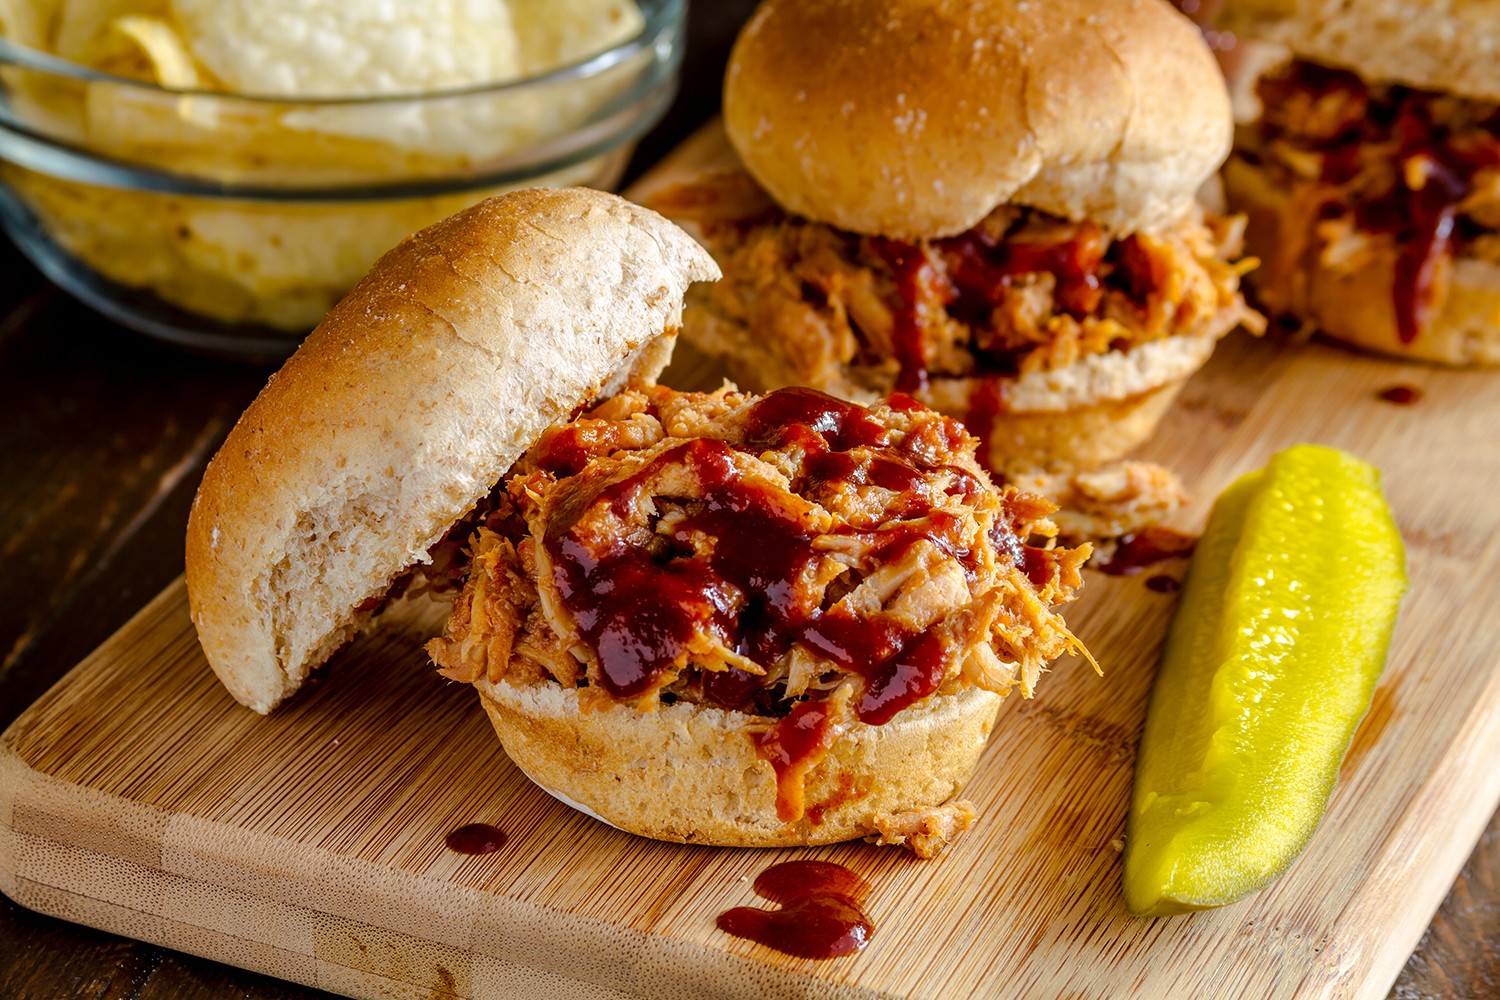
pixel 691 773
pixel 1449 45
pixel 1355 301
pixel 407 404
pixel 916 118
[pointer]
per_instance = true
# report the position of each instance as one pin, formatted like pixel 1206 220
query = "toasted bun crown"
pixel 916 118
pixel 407 404
pixel 1446 45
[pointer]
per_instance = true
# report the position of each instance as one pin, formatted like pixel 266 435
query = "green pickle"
pixel 1271 662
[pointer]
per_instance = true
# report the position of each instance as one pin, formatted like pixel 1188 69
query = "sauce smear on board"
pixel 1401 395
pixel 475 838
pixel 821 913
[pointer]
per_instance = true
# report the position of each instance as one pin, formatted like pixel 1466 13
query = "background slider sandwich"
pixel 989 205
pixel 1372 177
pixel 717 618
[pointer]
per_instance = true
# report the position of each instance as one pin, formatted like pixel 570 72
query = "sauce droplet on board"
pixel 1401 395
pixel 820 914
pixel 1164 584
pixel 1147 547
pixel 475 838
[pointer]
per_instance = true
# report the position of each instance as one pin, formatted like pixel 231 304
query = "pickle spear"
pixel 1270 663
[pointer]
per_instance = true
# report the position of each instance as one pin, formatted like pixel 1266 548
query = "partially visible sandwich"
pixel 989 205
pixel 1372 175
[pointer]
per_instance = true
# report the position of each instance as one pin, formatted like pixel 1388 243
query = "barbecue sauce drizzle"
pixel 821 913
pixel 1424 219
pixel 979 269
pixel 641 610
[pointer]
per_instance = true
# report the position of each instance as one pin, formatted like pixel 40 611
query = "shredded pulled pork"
pixel 1109 502
pixel 1022 291
pixel 1371 165
pixel 925 832
pixel 795 557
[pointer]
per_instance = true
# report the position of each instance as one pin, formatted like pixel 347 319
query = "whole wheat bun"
pixel 916 118
pixel 1447 45
pixel 691 774
pixel 1356 304
pixel 407 404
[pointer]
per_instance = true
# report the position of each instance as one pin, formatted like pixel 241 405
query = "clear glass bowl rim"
pixel 621 120
pixel 657 15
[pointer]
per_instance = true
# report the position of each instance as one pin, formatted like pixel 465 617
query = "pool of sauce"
pixel 475 838
pixel 1163 584
pixel 1401 395
pixel 821 912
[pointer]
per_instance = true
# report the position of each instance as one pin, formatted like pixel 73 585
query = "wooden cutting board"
pixel 137 797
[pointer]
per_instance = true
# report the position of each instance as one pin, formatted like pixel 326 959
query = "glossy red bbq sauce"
pixel 791 746
pixel 986 404
pixel 983 267
pixel 475 838
pixel 842 425
pixel 1423 218
pixel 1163 584
pixel 640 610
pixel 1039 565
pixel 1151 545
pixel 979 269
pixel 564 451
pixel 821 913
pixel 1401 395
pixel 909 267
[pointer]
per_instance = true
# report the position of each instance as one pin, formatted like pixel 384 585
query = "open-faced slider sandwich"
pixel 1372 175
pixel 989 204
pixel 714 618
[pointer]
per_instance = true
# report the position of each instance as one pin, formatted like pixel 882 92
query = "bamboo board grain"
pixel 137 797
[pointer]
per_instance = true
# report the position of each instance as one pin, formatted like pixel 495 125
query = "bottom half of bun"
pixel 1348 293
pixel 692 774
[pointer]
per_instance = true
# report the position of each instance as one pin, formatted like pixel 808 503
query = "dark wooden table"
pixel 103 437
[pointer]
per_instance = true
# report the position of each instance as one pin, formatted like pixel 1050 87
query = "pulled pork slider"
pixel 757 621
pixel 988 205
pixel 713 618
pixel 1372 176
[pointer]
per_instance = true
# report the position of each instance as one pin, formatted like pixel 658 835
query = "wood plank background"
pixel 138 797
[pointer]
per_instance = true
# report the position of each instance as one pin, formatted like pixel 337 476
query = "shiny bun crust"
pixel 691 774
pixel 407 404
pixel 916 118
pixel 1447 46
pixel 1357 305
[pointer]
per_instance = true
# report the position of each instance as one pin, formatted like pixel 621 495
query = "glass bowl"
pixel 230 223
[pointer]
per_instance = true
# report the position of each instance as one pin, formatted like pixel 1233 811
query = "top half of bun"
pixel 916 118
pixel 407 404
pixel 1449 46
